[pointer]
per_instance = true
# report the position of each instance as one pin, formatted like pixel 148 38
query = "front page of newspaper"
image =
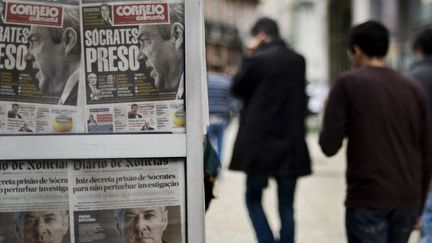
pixel 133 200
pixel 95 66
pixel 34 201
pixel 134 65
pixel 39 69
pixel 99 201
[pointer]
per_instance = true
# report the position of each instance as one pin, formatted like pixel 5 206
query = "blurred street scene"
pixel 319 205
pixel 317 29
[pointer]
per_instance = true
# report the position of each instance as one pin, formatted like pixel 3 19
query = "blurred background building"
pixel 315 28
pixel 227 23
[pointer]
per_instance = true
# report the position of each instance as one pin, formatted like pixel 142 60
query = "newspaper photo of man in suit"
pixel 14 112
pixel 105 10
pixel 133 113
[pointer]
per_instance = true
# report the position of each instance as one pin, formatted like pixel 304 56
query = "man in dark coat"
pixel 270 140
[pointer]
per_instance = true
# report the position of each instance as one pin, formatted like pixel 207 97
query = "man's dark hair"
pixel 105 5
pixel 266 25
pixel 423 41
pixel 15 105
pixel 176 11
pixel 371 37
pixel 134 105
pixel 70 20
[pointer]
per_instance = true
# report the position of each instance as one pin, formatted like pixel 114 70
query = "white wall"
pixel 361 11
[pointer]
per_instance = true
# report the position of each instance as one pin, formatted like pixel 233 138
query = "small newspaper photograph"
pixel 34 202
pixel 104 201
pixel 130 200
pixel 27 118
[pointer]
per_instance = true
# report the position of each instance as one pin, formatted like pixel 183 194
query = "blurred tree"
pixel 339 22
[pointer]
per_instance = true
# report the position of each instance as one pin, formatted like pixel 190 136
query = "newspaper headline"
pixel 92 66
pixel 92 200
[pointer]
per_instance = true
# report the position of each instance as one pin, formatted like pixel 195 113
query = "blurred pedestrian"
pixel 271 137
pixel 421 70
pixel 211 171
pixel 220 105
pixel 384 116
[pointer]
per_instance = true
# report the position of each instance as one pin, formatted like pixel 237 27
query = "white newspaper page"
pixel 34 201
pixel 133 200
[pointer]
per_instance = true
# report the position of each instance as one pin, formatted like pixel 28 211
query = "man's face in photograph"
pixel 110 79
pixel 43 227
pixel 105 12
pixel 134 109
pixel 144 225
pixel 92 79
pixel 157 53
pixel 48 59
pixel 15 109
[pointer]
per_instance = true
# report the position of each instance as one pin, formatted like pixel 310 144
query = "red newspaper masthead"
pixel 143 13
pixel 38 14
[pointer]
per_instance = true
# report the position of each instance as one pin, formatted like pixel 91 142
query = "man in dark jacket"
pixel 421 70
pixel 270 140
pixel 384 116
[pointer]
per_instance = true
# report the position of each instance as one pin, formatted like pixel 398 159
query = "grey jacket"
pixel 422 72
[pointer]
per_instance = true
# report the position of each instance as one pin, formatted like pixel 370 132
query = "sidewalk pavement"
pixel 319 208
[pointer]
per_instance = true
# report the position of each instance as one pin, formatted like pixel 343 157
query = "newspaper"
pixel 93 66
pixel 134 62
pixel 38 80
pixel 31 190
pixel 110 199
pixel 133 200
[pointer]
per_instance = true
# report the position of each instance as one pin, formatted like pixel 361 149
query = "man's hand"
pixel 231 70
pixel 251 47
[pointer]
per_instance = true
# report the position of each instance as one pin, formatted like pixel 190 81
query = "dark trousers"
pixel 286 188
pixel 208 189
pixel 365 225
